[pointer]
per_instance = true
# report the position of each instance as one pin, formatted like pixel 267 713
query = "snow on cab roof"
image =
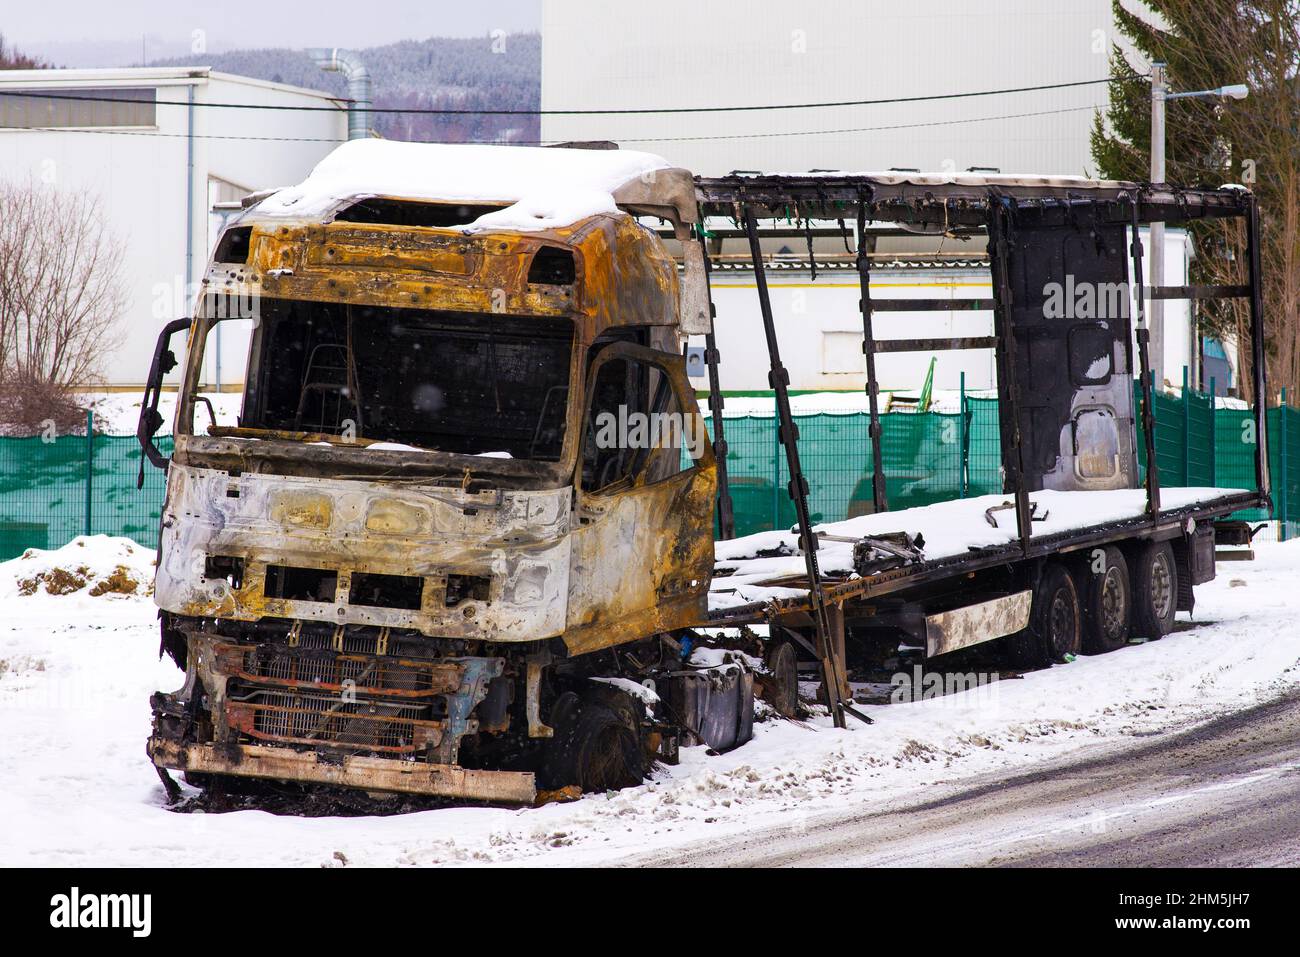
pixel 544 187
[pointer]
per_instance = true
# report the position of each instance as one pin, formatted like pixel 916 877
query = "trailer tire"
pixel 780 686
pixel 1106 599
pixel 594 747
pixel 1155 590
pixel 1054 622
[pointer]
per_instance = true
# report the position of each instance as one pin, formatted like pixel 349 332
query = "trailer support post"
pixel 1008 385
pixel 835 621
pixel 1144 364
pixel 788 436
pixel 726 511
pixel 879 503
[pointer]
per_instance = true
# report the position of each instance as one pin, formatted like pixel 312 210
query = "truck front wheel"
pixel 594 747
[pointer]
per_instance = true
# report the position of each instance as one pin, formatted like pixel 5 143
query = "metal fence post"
pixel 90 463
pixel 965 439
pixel 1213 434
pixel 1281 451
pixel 1187 430
pixel 776 471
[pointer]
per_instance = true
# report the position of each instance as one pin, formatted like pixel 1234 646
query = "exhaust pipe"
pixel 358 77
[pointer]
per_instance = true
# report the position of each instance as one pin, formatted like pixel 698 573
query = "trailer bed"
pixel 760 576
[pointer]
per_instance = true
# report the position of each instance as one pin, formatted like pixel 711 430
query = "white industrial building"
pixel 596 57
pixel 820 326
pixel 681 53
pixel 160 164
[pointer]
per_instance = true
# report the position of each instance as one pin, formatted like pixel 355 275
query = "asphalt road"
pixel 1225 794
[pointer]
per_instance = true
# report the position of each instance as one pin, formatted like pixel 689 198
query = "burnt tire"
pixel 1154 576
pixel 1054 623
pixel 780 686
pixel 594 747
pixel 1106 600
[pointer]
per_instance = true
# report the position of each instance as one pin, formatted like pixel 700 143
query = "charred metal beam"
pixel 1198 292
pixel 932 305
pixel 878 499
pixel 936 345
pixel 788 434
pixel 1008 379
pixel 726 511
pixel 1144 365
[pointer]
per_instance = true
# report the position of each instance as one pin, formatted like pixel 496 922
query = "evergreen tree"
pixel 1208 44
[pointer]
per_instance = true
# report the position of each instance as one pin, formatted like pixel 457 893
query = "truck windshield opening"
pixel 447 381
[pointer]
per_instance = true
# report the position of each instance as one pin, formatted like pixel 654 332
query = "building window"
pixel 113 106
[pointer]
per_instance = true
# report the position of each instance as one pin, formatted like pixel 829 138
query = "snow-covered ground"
pixel 76 673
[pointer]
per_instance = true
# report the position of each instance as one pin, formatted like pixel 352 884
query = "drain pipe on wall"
pixel 358 77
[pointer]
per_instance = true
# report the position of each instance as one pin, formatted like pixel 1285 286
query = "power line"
pixel 630 139
pixel 180 136
pixel 430 111
pixel 858 129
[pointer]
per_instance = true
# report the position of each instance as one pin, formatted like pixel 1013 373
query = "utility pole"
pixel 1156 231
pixel 1160 93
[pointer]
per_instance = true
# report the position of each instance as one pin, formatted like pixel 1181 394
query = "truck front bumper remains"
pixel 353 771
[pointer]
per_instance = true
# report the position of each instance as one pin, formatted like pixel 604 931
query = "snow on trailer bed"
pixel 752 572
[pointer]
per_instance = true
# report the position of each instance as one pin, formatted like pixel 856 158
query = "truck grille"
pixel 359 674
pixel 320 720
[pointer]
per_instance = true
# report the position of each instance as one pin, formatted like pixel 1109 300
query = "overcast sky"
pixel 103 33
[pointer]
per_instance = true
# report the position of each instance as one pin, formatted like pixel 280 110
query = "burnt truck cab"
pixel 401 565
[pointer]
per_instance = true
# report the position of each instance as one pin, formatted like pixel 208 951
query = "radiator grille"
pixel 321 720
pixel 372 673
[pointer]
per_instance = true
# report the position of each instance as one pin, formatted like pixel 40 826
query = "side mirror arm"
pixel 164 360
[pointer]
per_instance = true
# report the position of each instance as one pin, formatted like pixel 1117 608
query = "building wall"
pixel 678 53
pixel 141 177
pixel 819 327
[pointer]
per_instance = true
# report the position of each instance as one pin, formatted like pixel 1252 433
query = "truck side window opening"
pixel 633 427
pixel 451 382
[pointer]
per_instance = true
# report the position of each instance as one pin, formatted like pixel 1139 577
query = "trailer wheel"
pixel 1107 602
pixel 780 687
pixel 1054 622
pixel 594 747
pixel 1155 590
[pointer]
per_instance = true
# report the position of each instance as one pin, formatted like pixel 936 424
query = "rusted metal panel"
pixel 642 556
pixel 366 773
pixel 624 274
pixel 962 627
pixel 517 539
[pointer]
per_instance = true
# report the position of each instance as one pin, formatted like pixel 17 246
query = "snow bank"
pixel 74 714
pixel 545 187
pixel 88 567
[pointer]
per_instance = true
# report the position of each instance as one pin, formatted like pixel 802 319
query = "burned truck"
pixel 448 547
pixel 410 563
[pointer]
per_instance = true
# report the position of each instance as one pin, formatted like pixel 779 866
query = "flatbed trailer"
pixel 856 590
pixel 1073 428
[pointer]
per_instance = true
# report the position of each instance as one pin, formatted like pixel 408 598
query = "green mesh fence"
pixel 53 490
